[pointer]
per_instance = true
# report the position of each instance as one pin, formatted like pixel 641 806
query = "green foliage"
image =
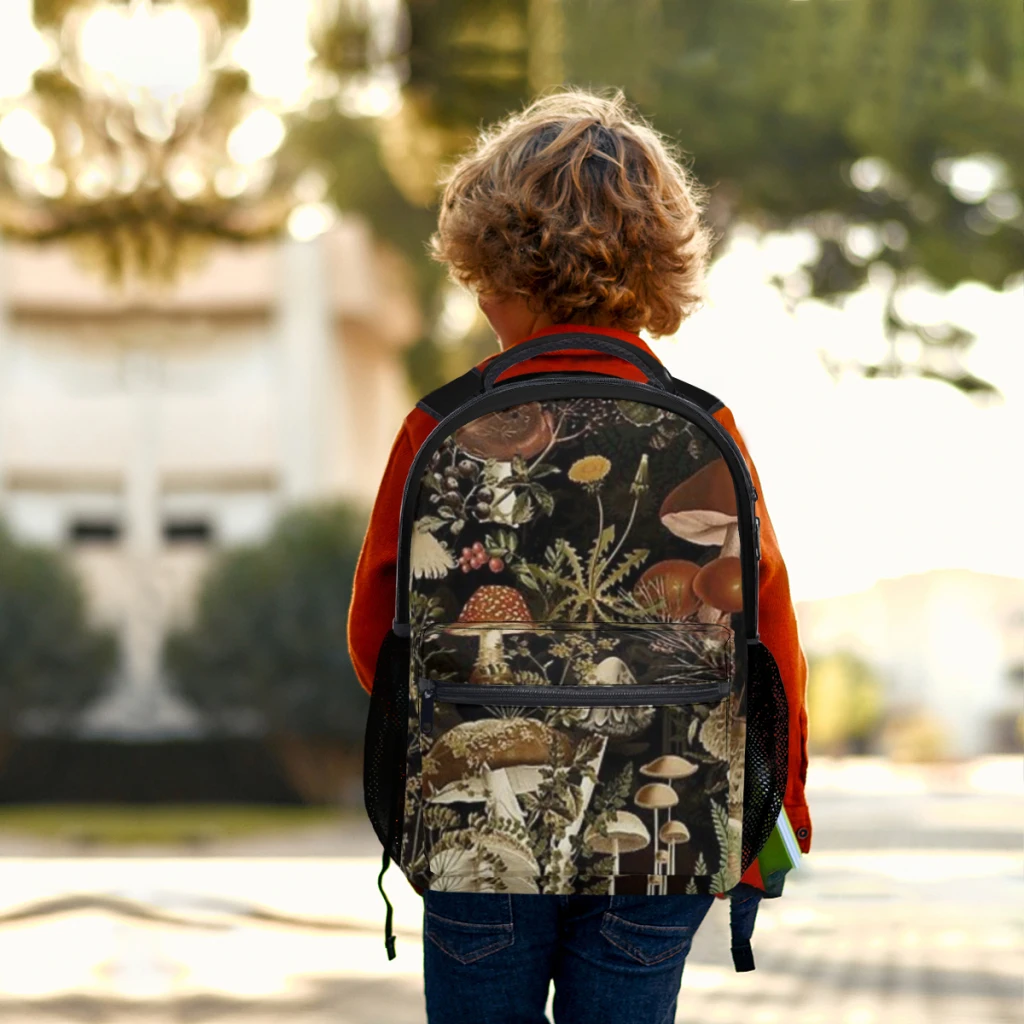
pixel 844 702
pixel 52 663
pixel 269 632
pixel 776 101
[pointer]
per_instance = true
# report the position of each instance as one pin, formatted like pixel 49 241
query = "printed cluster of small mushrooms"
pixel 495 761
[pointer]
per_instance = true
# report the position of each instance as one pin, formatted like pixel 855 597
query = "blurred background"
pixel 216 308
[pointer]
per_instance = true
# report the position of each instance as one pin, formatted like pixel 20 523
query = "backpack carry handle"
pixel 653 370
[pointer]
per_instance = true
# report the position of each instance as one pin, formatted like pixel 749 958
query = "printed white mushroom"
pixel 605 722
pixel 491 760
pixel 619 722
pixel 468 855
pixel 625 833
pixel 492 603
pixel 661 860
pixel 672 833
pixel 656 796
pixel 669 767
pixel 702 509
pixel 428 557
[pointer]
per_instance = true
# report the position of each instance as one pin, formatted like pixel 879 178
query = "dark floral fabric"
pixel 563 545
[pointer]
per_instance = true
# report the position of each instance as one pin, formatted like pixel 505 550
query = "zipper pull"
pixel 426 706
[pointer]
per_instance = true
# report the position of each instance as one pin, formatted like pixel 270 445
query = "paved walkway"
pixel 908 912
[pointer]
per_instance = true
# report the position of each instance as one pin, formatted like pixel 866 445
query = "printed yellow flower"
pixel 589 470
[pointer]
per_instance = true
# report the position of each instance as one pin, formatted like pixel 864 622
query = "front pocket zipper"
pixel 562 696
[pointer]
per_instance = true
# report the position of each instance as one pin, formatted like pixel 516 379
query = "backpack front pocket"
pixel 570 757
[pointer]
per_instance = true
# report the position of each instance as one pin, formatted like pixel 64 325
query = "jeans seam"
pixel 481 925
pixel 477 954
pixel 634 954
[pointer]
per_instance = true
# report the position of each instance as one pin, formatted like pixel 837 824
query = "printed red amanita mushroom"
pixel 702 509
pixel 668 586
pixel 491 603
pixel 720 584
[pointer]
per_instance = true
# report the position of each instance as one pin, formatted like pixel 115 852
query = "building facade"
pixel 144 430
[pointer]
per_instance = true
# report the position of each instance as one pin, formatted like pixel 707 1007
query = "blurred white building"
pixel 949 642
pixel 144 430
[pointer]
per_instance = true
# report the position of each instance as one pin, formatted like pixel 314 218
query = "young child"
pixel 572 212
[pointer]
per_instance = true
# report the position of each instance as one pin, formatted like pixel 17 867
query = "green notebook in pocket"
pixel 781 852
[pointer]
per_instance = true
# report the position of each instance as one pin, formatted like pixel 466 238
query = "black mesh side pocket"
pixel 767 754
pixel 385 749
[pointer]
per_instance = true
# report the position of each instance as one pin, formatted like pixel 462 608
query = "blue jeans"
pixel 489 958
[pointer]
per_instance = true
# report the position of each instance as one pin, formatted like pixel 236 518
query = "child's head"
pixel 579 209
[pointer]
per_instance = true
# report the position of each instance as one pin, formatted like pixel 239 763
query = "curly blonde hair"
pixel 579 206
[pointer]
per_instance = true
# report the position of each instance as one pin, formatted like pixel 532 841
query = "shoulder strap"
pixel 744 900
pixel 443 401
pixel 704 399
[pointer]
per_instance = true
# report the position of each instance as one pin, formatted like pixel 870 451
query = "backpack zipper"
pixel 562 696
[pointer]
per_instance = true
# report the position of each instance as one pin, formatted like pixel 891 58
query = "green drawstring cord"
pixel 389 935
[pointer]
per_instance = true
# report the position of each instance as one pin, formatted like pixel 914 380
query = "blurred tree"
pixel 268 639
pixel 893 130
pixel 844 703
pixel 52 663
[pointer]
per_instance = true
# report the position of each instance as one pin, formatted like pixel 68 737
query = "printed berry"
pixel 496 564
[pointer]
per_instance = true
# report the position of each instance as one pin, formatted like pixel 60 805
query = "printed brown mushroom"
pixel 492 761
pixel 655 796
pixel 625 833
pixel 720 584
pixel 491 603
pixel 669 766
pixel 522 430
pixel 668 585
pixel 702 509
pixel 672 833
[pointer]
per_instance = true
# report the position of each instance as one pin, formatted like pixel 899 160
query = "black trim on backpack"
pixel 652 367
pixel 443 401
pixel 691 393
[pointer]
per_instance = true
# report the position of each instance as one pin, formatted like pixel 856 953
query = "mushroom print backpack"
pixel 573 697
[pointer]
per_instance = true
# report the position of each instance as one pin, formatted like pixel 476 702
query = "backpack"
pixel 573 696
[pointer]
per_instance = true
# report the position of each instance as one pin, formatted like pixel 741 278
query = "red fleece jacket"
pixel 373 596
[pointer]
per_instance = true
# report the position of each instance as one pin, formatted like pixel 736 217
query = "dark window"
pixel 188 531
pixel 95 531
